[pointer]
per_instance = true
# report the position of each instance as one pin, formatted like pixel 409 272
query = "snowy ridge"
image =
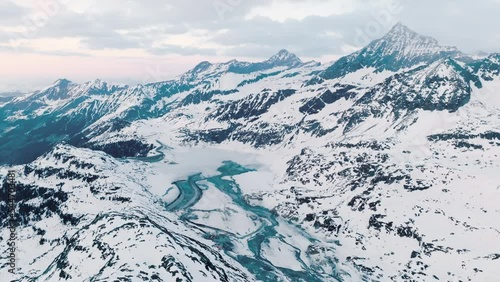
pixel 399 48
pixel 407 44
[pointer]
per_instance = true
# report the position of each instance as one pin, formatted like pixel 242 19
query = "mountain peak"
pixel 61 82
pixel 199 68
pixel 97 83
pixel 401 34
pixel 283 53
pixel 97 86
pixel 58 90
pixel 400 28
pixel 401 48
pixel 284 57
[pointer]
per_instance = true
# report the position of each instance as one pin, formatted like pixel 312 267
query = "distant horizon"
pixel 251 60
pixel 19 92
pixel 121 41
pixel 130 81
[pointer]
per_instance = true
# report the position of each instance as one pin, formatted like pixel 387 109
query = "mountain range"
pixel 379 167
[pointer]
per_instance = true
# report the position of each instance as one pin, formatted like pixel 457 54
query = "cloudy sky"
pixel 133 41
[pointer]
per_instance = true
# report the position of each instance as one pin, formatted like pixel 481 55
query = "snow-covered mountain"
pixel 379 167
pixel 400 48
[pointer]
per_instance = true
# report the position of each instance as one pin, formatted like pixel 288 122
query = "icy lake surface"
pixel 202 189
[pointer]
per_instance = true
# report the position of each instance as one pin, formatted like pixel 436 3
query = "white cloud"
pixel 299 10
